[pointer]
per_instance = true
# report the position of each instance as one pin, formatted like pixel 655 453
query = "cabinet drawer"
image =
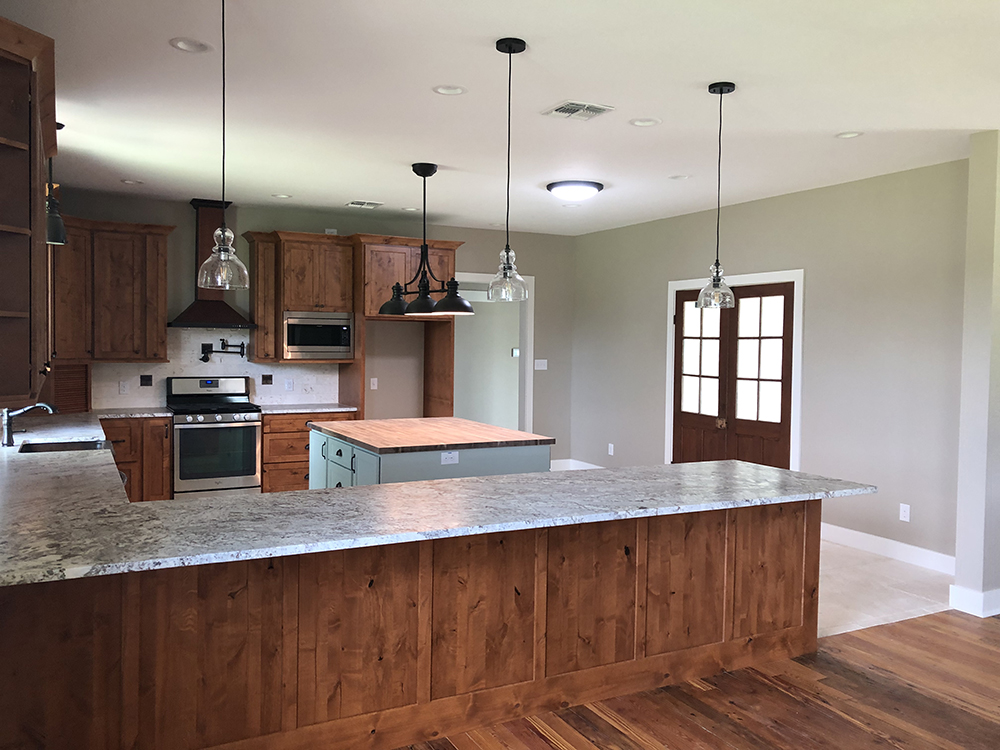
pixel 286 447
pixel 338 476
pixel 339 452
pixel 126 438
pixel 284 477
pixel 297 422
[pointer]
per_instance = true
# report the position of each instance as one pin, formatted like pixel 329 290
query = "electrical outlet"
pixel 541 364
pixel 611 449
pixel 904 512
pixel 331 231
pixel 267 379
pixel 289 385
pixel 145 380
pixel 449 457
pixel 122 387
pixel 374 384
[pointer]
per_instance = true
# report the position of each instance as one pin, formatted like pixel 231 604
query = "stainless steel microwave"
pixel 318 335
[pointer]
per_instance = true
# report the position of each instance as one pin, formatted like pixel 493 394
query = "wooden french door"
pixel 733 377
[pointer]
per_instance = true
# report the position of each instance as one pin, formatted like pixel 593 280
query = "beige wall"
pixel 884 264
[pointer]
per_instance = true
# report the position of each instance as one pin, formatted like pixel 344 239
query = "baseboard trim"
pixel 978 603
pixel 570 464
pixel 880 545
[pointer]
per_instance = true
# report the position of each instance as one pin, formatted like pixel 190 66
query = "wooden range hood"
pixel 209 309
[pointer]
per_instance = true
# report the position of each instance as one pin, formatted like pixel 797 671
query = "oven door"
pixel 216 457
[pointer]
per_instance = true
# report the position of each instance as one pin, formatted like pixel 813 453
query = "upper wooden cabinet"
pixel 316 273
pixel 387 260
pixel 110 292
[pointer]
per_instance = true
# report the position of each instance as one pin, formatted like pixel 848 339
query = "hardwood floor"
pixel 931 683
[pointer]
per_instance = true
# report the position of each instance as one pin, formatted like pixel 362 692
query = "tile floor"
pixel 860 589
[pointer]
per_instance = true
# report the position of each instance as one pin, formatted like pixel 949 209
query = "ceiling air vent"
pixel 364 204
pixel 577 110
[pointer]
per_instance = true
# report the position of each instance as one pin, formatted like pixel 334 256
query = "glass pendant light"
pixel 507 285
pixel 223 269
pixel 717 294
pixel 55 230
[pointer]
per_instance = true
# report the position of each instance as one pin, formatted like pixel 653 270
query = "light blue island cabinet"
pixel 381 451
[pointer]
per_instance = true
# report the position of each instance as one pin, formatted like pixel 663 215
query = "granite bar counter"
pixel 385 615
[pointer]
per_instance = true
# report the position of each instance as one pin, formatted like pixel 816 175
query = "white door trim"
pixel 526 373
pixel 797 277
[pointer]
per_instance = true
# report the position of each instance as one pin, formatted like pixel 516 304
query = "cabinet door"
pixel 384 266
pixel 72 302
pixel 442 263
pixel 155 344
pixel 126 438
pixel 317 460
pixel 285 477
pixel 132 480
pixel 366 467
pixel 157 468
pixel 338 476
pixel 119 320
pixel 298 276
pixel 286 447
pixel 335 280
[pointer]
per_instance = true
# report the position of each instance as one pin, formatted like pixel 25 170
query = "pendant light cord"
pixel 718 186
pixel 223 114
pixel 510 69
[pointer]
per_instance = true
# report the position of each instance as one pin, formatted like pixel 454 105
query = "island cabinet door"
pixel 366 468
pixel 317 460
pixel 338 476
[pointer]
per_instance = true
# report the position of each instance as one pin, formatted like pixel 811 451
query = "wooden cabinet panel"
pixel 126 438
pixel 119 319
pixel 685 581
pixel 157 468
pixel 155 303
pixel 280 477
pixel 285 447
pixel 298 276
pixel 335 279
pixel 442 263
pixel 298 422
pixel 132 480
pixel 73 302
pixel 591 595
pixel 484 600
pixel 385 265
pixel 263 293
pixel 316 276
pixel 768 574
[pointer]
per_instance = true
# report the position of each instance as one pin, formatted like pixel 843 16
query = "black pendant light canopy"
pixel 452 303
pixel 507 285
pixel 55 230
pixel 717 294
pixel 223 269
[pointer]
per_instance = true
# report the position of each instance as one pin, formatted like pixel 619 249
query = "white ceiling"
pixel 331 100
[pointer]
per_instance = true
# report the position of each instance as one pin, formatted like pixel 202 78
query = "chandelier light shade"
pixel 452 303
pixel 717 294
pixel 223 269
pixel 507 285
pixel 55 230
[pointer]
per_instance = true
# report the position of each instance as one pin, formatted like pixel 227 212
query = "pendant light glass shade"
pixel 55 229
pixel 507 285
pixel 716 294
pixel 223 269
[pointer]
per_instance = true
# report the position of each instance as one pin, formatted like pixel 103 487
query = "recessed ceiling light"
pixel 449 90
pixel 132 182
pixel 850 134
pixel 186 44
pixel 410 208
pixel 496 224
pixel 280 195
pixel 574 190
pixel 571 205
pixel 645 122
pixel 678 177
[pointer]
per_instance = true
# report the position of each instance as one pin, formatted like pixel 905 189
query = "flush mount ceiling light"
pixel 186 44
pixel 55 229
pixel 282 196
pixel 850 134
pixel 716 294
pixel 452 303
pixel 132 182
pixel 411 208
pixel 449 90
pixel 223 269
pixel 679 177
pixel 645 122
pixel 574 190
pixel 508 285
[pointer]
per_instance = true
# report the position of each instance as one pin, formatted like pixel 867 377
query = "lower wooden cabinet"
pixel 143 454
pixel 285 454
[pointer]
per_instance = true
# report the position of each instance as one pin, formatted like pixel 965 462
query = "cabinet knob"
pixel 339 484
pixel 340 452
pixel 307 475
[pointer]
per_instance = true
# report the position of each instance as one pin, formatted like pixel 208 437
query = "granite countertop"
pixel 135 412
pixel 384 436
pixel 65 515
pixel 305 408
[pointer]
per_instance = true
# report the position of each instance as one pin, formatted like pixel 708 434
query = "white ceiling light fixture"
pixel 132 182
pixel 281 196
pixel 186 44
pixel 411 208
pixel 223 269
pixel 574 190
pixel 645 122
pixel 716 294
pixel 449 90
pixel 508 285
pixel 679 177
pixel 847 134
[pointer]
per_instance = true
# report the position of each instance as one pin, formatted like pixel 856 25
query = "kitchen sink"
pixel 72 445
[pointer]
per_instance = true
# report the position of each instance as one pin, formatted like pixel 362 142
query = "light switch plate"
pixel 289 385
pixel 611 449
pixel 515 352
pixel 449 457
pixel 904 512
pixel 374 384
pixel 122 387
pixel 541 364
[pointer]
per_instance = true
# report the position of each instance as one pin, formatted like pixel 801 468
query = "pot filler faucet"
pixel 8 420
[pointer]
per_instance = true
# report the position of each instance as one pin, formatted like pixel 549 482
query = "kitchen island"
pixel 383 615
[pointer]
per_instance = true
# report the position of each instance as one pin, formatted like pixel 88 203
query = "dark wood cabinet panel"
pixel 335 278
pixel 264 346
pixel 132 480
pixel 119 313
pixel 155 293
pixel 157 467
pixel 316 275
pixel 126 438
pixel 72 309
pixel 441 262
pixel 285 477
pixel 385 265
pixel 298 276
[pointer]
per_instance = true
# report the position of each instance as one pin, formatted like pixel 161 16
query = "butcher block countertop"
pixel 384 436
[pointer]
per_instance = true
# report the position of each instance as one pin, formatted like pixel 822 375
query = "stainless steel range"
pixel 217 436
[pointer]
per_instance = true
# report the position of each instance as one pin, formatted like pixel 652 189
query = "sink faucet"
pixel 8 420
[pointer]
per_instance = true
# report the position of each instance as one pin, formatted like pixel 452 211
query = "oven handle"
pixel 215 425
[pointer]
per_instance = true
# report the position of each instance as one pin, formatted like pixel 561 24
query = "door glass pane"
pixel 710 357
pixel 692 349
pixel 772 316
pixel 710 396
pixel 746 358
pixel 750 316
pixel 689 394
pixel 692 319
pixel 710 318
pixel 746 399
pixel 770 358
pixel 770 401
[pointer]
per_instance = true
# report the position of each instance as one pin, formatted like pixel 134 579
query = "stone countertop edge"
pixel 332 432
pixel 330 408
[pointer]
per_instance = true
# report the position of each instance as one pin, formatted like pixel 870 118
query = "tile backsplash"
pixel 310 384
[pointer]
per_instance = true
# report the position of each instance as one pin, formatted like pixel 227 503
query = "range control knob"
pixel 237 417
pixel 201 418
pixel 218 417
pixel 189 418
